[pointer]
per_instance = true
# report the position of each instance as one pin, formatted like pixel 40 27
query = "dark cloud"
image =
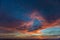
pixel 13 11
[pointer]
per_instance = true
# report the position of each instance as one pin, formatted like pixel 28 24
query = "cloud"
pixel 51 31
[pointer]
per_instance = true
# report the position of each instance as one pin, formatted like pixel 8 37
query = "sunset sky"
pixel 13 12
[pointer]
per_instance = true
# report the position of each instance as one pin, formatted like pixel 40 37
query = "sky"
pixel 12 12
pixel 52 31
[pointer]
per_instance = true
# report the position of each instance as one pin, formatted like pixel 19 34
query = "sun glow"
pixel 29 24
